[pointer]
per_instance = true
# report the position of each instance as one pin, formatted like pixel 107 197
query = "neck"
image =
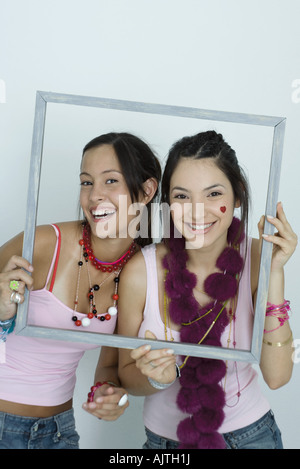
pixel 207 256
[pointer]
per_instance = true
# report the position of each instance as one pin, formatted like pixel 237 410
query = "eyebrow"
pixel 104 172
pixel 213 186
pixel 178 188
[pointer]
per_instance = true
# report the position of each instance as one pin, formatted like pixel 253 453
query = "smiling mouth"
pixel 194 227
pixel 102 214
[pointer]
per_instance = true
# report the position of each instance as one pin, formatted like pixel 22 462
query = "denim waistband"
pixel 18 424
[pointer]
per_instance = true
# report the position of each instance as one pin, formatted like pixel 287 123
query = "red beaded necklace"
pixel 113 268
pixel 100 265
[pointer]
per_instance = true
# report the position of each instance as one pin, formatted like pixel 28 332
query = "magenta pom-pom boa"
pixel 201 394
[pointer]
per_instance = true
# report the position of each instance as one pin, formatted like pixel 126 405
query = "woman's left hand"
pixel 108 403
pixel 284 240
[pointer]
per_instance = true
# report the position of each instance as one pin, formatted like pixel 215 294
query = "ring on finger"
pixel 15 297
pixel 123 400
pixel 14 285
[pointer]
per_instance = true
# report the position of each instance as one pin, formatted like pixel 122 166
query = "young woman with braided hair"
pixel 199 286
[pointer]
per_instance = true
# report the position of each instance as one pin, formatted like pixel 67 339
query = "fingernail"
pixel 169 351
pixel 270 217
pixel 265 235
pixel 147 348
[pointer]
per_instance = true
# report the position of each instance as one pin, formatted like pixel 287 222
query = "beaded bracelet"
pixel 95 387
pixel 280 312
pixel 7 327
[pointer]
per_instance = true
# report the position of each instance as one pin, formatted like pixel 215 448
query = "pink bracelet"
pixel 95 387
pixel 280 312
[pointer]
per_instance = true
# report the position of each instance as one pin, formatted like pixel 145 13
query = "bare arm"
pixel 276 361
pixel 107 397
pixel 136 366
pixel 107 366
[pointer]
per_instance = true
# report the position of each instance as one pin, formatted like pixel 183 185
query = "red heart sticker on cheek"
pixel 223 209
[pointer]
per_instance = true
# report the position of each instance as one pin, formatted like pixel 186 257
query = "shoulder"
pixel 44 248
pixel 71 230
pixel 132 289
pixel 44 239
pixel 45 236
pixel 45 233
pixel 135 272
pixel 159 250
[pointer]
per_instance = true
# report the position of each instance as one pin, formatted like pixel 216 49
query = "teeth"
pixel 102 213
pixel 200 227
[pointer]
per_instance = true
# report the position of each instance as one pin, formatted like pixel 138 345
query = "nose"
pixel 196 211
pixel 97 192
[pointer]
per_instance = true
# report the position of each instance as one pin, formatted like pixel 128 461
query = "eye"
pixel 85 183
pixel 111 181
pixel 215 194
pixel 180 196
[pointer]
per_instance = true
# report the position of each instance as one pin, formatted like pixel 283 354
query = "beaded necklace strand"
pixel 112 268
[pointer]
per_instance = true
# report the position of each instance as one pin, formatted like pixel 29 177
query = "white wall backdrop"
pixel 230 55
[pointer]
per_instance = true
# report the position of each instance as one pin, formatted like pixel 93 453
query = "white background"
pixel 230 55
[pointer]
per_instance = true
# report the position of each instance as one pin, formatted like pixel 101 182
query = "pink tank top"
pixel 244 401
pixel 43 371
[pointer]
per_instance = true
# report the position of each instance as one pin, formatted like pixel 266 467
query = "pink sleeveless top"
pixel 42 372
pixel 244 401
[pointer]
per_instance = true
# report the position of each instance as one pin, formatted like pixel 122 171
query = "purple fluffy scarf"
pixel 201 394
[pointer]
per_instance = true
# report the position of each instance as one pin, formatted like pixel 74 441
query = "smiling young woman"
pixel 199 286
pixel 198 207
pixel 74 284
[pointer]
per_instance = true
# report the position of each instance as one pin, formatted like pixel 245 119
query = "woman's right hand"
pixel 17 268
pixel 107 404
pixel 156 364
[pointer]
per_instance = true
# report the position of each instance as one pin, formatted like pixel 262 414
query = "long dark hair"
pixel 210 144
pixel 138 163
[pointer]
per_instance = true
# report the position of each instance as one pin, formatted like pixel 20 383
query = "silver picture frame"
pixel 119 341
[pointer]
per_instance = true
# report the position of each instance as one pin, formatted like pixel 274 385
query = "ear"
pixel 150 188
pixel 237 203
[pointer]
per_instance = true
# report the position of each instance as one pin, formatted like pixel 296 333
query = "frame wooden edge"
pixel 126 342
pixel 32 196
pixel 164 109
pixel 112 340
pixel 267 248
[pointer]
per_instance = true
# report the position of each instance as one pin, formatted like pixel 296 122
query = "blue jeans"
pixel 262 434
pixel 57 432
